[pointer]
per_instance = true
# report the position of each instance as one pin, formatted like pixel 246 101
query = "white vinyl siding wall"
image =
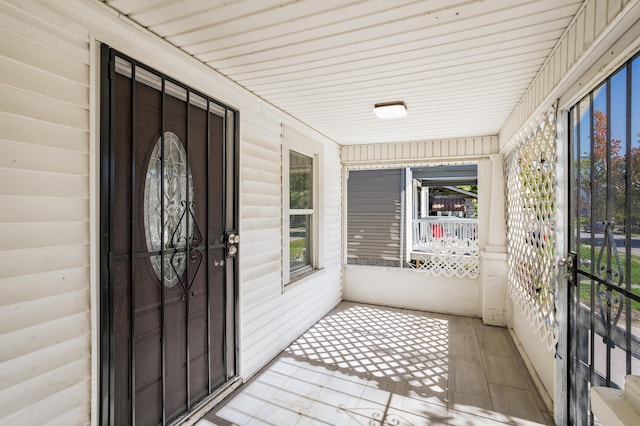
pixel 271 318
pixel 46 209
pixel 44 222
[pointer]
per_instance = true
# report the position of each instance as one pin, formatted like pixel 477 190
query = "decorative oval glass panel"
pixel 174 231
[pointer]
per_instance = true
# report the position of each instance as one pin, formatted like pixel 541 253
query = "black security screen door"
pixel 168 249
pixel 604 308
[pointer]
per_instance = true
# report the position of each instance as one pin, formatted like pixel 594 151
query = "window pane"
pixel 300 181
pixel 299 241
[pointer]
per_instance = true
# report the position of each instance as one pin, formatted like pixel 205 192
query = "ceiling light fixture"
pixel 390 110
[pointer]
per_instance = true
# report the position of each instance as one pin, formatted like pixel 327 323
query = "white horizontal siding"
pixel 590 24
pixel 333 210
pixel 68 408
pixel 43 134
pixel 44 219
pixel 30 287
pixel 40 362
pixel 297 311
pixel 42 234
pixel 271 318
pixel 42 209
pixel 22 156
pixel 419 152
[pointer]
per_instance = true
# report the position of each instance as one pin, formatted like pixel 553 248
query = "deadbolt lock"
pixel 232 243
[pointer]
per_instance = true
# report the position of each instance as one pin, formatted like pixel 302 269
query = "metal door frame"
pixel 583 326
pixel 230 218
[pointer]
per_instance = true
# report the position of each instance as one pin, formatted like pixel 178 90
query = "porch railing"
pixel 430 234
pixel 446 246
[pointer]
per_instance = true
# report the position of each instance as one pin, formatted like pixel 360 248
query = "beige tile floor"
pixel 373 365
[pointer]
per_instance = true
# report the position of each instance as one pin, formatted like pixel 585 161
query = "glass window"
pixel 301 213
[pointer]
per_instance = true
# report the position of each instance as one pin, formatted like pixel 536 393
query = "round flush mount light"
pixel 387 110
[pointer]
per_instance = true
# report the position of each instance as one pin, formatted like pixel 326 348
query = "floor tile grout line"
pixel 482 360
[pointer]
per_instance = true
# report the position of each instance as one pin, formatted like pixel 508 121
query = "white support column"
pixel 424 202
pixel 408 190
pixel 494 254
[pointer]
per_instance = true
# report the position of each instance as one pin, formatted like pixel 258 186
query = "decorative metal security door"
pixel 169 269
pixel 604 263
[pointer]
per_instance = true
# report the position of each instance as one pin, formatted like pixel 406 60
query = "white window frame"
pixel 297 142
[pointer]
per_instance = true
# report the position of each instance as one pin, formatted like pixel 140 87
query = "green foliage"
pixel 297 247
pixel 469 188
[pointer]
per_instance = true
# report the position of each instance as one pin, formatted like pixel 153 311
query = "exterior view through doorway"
pixel 604 239
pixel 169 215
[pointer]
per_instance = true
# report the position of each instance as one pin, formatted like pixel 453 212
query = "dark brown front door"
pixel 169 249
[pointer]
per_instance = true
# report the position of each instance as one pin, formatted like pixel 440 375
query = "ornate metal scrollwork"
pixel 193 255
pixel 610 304
pixel 170 224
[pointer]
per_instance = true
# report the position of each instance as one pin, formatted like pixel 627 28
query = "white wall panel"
pixel 40 337
pixel 40 55
pixel 39 362
pixel 38 285
pixel 31 131
pixel 42 209
pixel 62 408
pixel 33 312
pixel 410 289
pixel 270 317
pixel 26 77
pixel 39 184
pixel 333 210
pixel 18 155
pixel 42 234
pixel 44 219
pixel 542 360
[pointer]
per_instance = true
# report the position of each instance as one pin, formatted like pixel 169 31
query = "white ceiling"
pixel 461 66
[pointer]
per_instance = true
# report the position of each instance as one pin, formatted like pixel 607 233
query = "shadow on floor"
pixel 372 365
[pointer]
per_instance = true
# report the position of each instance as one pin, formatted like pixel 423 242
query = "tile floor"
pixel 373 365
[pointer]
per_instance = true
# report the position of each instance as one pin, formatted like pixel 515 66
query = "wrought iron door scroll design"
pixel 187 245
pixel 169 215
pixel 607 273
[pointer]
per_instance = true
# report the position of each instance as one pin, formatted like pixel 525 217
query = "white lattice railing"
pixel 446 246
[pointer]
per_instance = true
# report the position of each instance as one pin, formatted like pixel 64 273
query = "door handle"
pixel 568 264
